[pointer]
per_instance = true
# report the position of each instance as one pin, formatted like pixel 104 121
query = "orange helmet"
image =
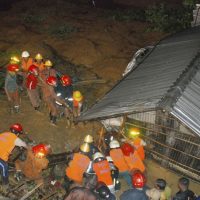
pixel 138 179
pixel 13 68
pixel 51 80
pixel 66 80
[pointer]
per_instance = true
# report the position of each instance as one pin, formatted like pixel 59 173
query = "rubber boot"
pixel 53 121
pixel 50 116
pixel 16 109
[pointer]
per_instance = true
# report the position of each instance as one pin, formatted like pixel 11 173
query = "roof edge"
pixel 173 94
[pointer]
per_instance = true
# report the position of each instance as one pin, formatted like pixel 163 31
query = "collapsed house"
pixel 161 96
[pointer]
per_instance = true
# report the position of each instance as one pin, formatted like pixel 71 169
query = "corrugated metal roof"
pixel 144 87
pixel 187 107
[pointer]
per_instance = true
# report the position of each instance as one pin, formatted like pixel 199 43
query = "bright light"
pixel 40 154
pixel 14 59
pixel 133 132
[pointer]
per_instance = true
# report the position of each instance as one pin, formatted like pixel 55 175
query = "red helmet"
pixel 41 150
pixel 13 68
pixel 138 179
pixel 127 149
pixel 16 128
pixel 66 80
pixel 33 69
pixel 51 80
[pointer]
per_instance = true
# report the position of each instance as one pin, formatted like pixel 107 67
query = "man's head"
pixel 138 179
pixel 183 183
pixel 16 129
pixel 160 184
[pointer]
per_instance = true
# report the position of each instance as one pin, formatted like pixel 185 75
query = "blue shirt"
pixel 10 83
pixel 134 194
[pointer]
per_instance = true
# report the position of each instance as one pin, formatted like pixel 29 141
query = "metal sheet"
pixel 187 107
pixel 145 86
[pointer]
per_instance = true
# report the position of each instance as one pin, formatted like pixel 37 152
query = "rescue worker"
pixel 35 162
pixel 77 103
pixel 138 192
pixel 93 148
pixel 184 193
pixel 102 169
pixel 11 87
pixel 48 71
pixel 27 61
pixel 114 173
pixel 132 158
pixel 32 86
pixel 52 98
pixel 78 165
pixel 8 140
pixel 138 142
pixel 38 62
pixel 119 161
pixel 64 91
pixel 107 139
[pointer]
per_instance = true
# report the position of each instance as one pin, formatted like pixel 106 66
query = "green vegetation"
pixel 161 17
pixel 167 19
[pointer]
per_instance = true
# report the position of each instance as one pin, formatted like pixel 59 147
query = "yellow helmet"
pixel 48 63
pixel 88 139
pixel 77 96
pixel 14 60
pixel 38 56
pixel 85 147
pixel 134 132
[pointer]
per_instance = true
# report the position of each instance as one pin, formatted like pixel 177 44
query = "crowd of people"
pixel 94 172
pixel 43 84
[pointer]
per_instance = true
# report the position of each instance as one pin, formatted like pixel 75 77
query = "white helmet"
pixel 25 54
pixel 109 159
pixel 114 144
pixel 98 155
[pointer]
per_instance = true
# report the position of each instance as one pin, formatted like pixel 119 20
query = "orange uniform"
pixel 26 64
pixel 40 66
pixel 7 144
pixel 134 162
pixel 119 160
pixel 137 143
pixel 102 170
pixel 77 167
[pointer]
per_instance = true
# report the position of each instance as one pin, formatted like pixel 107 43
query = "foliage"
pixel 63 30
pixel 126 15
pixel 189 3
pixel 167 19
